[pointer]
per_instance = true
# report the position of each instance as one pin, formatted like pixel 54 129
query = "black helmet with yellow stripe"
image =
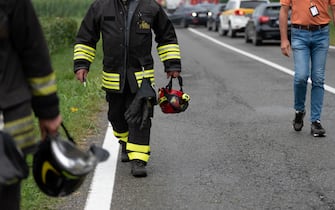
pixel 60 168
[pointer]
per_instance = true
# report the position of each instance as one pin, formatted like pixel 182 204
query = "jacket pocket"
pixel 143 23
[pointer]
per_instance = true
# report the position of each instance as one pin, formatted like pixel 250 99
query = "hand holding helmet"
pixel 59 167
pixel 173 101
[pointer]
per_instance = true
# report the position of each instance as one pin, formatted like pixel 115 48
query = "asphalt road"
pixel 234 148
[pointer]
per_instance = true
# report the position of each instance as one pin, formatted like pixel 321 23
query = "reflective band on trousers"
pixel 84 52
pixel 138 148
pixel 22 131
pixel 138 156
pixel 122 136
pixel 43 86
pixel 169 51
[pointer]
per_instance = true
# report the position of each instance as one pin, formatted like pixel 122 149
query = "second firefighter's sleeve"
pixel 86 39
pixel 168 47
pixel 29 41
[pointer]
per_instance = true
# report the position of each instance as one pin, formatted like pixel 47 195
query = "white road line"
pixel 101 189
pixel 269 63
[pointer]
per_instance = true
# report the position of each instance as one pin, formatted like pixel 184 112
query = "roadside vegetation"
pixel 79 105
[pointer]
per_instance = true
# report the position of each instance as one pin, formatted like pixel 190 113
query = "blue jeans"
pixel 309 47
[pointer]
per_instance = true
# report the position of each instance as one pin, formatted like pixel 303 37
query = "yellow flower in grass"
pixel 74 109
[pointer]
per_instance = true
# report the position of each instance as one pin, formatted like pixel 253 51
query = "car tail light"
pixel 263 19
pixel 239 12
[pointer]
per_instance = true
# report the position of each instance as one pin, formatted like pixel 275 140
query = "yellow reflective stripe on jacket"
pixel 150 73
pixel 42 86
pixel 84 52
pixel 169 51
pixel 111 80
pixel 22 131
pixel 152 80
pixel 138 148
pixel 138 156
pixel 144 74
pixel 121 136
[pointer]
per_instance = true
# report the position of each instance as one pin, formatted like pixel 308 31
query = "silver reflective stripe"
pixel 22 130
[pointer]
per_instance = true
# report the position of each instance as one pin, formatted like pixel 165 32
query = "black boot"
pixel 124 154
pixel 138 168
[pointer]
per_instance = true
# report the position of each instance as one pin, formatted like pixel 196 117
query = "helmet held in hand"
pixel 171 100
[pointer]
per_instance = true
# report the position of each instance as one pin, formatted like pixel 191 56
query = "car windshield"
pixel 207 6
pixel 251 4
pixel 272 11
pixel 199 8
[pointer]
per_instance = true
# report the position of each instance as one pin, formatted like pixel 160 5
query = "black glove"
pixel 147 113
pixel 141 109
pixel 133 115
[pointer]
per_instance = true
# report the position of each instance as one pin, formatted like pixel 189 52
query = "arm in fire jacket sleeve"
pixel 168 47
pixel 27 38
pixel 86 39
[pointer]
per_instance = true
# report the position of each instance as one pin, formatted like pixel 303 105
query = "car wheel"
pixel 183 23
pixel 209 26
pixel 220 30
pixel 231 32
pixel 256 40
pixel 215 25
pixel 246 37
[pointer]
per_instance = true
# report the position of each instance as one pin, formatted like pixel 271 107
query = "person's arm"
pixel 85 44
pixel 28 40
pixel 168 47
pixel 283 18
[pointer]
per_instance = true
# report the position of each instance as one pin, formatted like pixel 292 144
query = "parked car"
pixel 236 16
pixel 187 14
pixel 213 16
pixel 264 24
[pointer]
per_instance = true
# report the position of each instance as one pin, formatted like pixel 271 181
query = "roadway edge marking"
pixel 101 189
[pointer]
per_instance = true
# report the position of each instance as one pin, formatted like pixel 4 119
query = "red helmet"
pixel 173 101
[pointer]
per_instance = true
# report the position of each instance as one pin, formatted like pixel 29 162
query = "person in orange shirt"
pixel 310 44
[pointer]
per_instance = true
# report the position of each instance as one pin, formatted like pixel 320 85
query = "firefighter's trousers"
pixel 19 123
pixel 137 141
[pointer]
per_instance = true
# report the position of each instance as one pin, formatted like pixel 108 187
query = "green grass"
pixel 61 8
pixel 332 34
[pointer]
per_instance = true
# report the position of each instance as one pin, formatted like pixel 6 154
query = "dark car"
pixel 187 14
pixel 207 6
pixel 213 16
pixel 264 24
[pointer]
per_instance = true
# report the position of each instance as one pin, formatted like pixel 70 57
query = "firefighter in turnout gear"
pixel 27 88
pixel 126 28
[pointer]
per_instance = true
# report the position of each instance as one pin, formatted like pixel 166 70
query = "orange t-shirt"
pixel 302 15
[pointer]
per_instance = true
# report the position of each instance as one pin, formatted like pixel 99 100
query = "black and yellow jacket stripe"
pixel 25 68
pixel 127 41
